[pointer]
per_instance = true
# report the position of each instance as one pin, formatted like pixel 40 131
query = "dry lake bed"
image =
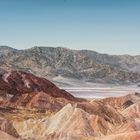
pixel 101 92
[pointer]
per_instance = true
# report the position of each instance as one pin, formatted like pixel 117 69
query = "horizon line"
pixel 49 46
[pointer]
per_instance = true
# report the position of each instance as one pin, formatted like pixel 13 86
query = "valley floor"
pixel 103 91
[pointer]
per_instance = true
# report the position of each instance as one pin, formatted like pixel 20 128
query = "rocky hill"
pixel 18 88
pixel 33 108
pixel 84 65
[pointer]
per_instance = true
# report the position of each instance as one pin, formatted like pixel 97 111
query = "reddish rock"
pixel 106 119
pixel 7 127
pixel 123 101
pixel 17 82
pixel 39 100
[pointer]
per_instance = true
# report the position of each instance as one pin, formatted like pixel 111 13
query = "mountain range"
pixel 83 65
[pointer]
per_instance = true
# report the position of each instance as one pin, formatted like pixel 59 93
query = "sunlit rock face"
pixel 7 127
pixel 33 108
pixel 5 136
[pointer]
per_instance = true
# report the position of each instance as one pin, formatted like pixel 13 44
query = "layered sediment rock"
pixel 33 108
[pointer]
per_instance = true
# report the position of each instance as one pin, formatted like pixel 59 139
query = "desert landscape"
pixel 33 108
pixel 41 99
pixel 69 69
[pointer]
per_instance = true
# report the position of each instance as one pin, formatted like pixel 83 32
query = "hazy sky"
pixel 106 26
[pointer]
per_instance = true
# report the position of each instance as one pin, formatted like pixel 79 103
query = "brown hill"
pixel 33 108
pixel 18 82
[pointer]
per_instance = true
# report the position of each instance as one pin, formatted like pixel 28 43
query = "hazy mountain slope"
pixel 84 65
pixel 6 51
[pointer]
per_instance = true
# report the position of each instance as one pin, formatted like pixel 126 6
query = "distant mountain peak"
pixel 4 47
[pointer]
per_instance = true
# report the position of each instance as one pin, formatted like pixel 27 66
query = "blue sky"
pixel 106 26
